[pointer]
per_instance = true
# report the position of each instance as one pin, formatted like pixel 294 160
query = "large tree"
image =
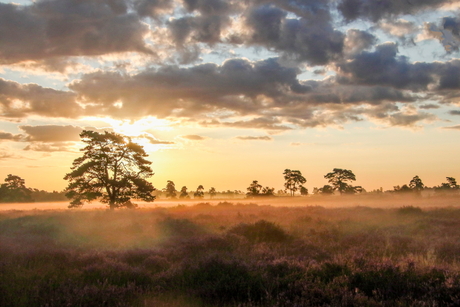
pixel 293 180
pixel 340 178
pixel 113 169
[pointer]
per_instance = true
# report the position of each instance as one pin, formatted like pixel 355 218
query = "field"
pixel 324 251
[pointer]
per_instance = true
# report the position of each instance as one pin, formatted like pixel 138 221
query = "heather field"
pixel 397 252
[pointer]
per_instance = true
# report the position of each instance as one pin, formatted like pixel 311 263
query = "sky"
pixel 224 92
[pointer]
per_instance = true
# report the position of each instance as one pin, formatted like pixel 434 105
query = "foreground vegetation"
pixel 231 255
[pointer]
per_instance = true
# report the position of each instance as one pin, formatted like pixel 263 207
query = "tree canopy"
pixel 340 178
pixel 293 180
pixel 113 169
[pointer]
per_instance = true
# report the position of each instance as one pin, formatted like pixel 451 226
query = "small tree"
pixel 268 191
pixel 325 190
pixel 212 192
pixel 303 190
pixel 294 180
pixel 254 189
pixel 449 186
pixel 14 190
pixel 199 193
pixel 171 189
pixel 339 179
pixel 416 185
pixel 183 193
pixel 112 169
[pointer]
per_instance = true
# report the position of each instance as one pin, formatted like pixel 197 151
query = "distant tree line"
pixel 14 190
pixel 114 170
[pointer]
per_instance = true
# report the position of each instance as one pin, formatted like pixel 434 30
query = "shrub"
pixel 261 231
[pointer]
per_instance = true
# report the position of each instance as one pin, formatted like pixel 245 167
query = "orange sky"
pixel 224 92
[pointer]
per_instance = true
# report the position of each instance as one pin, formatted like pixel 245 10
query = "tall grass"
pixel 231 255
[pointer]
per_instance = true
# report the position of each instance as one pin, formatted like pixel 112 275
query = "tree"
pixel 339 179
pixel 325 190
pixel 112 169
pixel 254 189
pixel 416 185
pixel 14 190
pixel 303 190
pixel 171 189
pixel 294 180
pixel 449 186
pixel 183 192
pixel 199 193
pixel 212 192
pixel 267 191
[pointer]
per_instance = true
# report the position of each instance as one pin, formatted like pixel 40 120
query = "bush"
pixel 261 231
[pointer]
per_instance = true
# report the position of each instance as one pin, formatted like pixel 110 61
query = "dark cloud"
pixel 209 7
pixel 376 10
pixel 454 112
pixel 385 68
pixel 153 8
pixel 311 39
pixel 51 133
pixel 57 28
pixel 254 138
pixel 204 29
pixel 429 106
pixel 19 100
pixel 6 136
pixel 238 85
pixel 357 41
pixel 193 137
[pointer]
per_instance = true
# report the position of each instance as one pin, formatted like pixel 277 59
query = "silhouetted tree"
pixel 199 193
pixel 449 186
pixel 112 169
pixel 303 190
pixel 268 191
pixel 402 189
pixel 339 179
pixel 325 190
pixel 212 192
pixel 171 189
pixel 14 190
pixel 254 189
pixel 183 193
pixel 293 180
pixel 416 185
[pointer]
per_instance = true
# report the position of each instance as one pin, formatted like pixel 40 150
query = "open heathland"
pixel 232 254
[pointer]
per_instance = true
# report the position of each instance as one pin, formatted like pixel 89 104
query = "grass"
pixel 231 255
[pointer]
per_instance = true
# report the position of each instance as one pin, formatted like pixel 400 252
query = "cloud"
pixel 376 10
pixel 59 28
pixel 429 106
pixel 193 137
pixel 155 141
pixel 448 33
pixel 454 112
pixel 254 138
pixel 47 147
pixel 6 136
pixel 51 133
pixel 19 100
pixel 356 41
pixel 238 85
pixel 457 127
pixel 311 38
